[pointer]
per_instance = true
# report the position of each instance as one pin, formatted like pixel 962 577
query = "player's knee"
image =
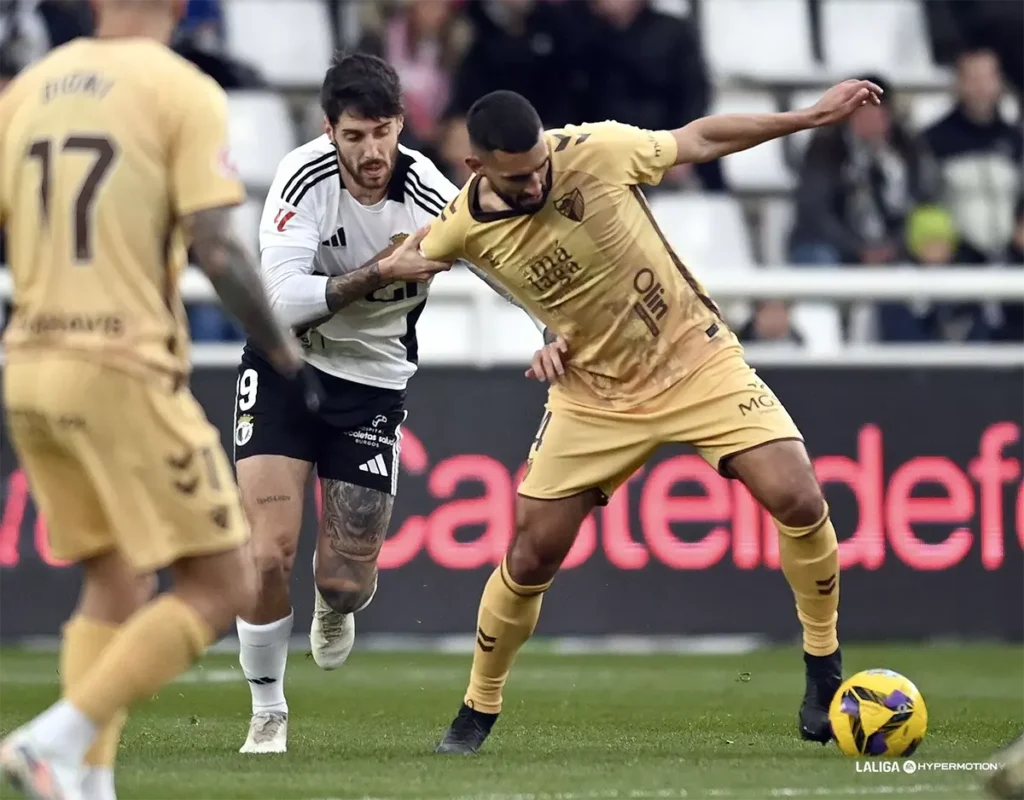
pixel 345 595
pixel 533 558
pixel 274 557
pixel 800 505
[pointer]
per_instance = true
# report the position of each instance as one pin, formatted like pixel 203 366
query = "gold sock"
pixel 84 640
pixel 154 647
pixel 508 614
pixel 810 561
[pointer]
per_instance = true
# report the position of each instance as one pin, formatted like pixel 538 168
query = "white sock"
pixel 64 730
pixel 263 654
pixel 98 784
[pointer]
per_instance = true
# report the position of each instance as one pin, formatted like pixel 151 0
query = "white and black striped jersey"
pixel 312 227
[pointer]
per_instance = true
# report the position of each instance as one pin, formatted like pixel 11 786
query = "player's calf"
pixel 352 530
pixel 781 477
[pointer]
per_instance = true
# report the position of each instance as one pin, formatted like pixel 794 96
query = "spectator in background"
pixel 932 243
pixel 1010 327
pixel 980 157
pixel 770 324
pixel 424 42
pixel 858 183
pixel 645 68
pixel 528 46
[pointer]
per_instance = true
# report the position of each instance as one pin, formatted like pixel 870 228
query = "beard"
pixel 524 205
pixel 359 171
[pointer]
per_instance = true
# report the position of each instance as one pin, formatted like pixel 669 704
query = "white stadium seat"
pixel 888 37
pixel 762 168
pixel 777 217
pixel 707 231
pixel 288 41
pixel 247 223
pixel 820 325
pixel 260 134
pixel 758 38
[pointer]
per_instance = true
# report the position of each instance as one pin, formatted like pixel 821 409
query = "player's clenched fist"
pixel 408 264
pixel 843 99
pixel 548 362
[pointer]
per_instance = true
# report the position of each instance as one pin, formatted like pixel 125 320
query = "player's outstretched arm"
pixel 235 278
pixel 716 136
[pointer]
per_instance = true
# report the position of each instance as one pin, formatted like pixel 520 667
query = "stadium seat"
pixel 762 168
pixel 290 42
pixel 708 231
pixel 261 134
pixel 247 223
pixel 888 37
pixel 764 39
pixel 777 216
pixel 821 326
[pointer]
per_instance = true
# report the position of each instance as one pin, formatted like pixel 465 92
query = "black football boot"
pixel 824 675
pixel 467 732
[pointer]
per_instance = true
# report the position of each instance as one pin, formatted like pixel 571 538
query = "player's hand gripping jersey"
pixel 594 267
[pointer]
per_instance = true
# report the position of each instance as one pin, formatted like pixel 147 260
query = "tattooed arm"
pixel 235 277
pixel 352 530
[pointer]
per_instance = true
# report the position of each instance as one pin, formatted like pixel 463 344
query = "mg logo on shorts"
pixel 760 402
pixel 651 307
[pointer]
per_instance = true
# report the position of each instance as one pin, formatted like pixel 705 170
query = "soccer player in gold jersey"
pixel 112 158
pixel 558 219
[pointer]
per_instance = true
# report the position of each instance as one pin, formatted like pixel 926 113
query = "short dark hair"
pixel 363 85
pixel 503 121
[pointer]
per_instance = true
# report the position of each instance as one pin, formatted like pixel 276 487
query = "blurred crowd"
pixel 871 192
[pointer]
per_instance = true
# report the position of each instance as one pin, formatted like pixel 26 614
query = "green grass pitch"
pixel 607 727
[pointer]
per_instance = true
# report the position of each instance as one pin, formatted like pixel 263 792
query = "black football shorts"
pixel 355 437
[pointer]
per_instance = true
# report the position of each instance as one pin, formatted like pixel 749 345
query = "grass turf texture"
pixel 574 727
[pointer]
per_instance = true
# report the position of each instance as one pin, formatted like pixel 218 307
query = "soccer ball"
pixel 878 712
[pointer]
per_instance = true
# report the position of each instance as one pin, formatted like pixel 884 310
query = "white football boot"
pixel 332 635
pixel 1008 781
pixel 36 773
pixel 268 733
pixel 98 784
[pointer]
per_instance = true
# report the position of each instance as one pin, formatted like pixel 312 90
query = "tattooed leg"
pixel 355 522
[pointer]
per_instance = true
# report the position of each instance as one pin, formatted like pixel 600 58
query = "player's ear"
pixel 474 164
pixel 328 129
pixel 400 123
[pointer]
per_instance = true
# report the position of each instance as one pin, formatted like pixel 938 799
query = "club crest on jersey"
pixel 571 205
pixel 243 430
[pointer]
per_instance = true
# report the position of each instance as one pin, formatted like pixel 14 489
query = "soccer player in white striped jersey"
pixel 336 205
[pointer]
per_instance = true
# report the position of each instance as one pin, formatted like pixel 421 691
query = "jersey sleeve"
pixel 291 222
pixel 445 241
pixel 628 155
pixel 201 173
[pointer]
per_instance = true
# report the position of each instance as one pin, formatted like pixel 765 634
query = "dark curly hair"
pixel 363 85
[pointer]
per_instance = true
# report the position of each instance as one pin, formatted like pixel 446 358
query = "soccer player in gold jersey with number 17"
pixel 557 218
pixel 112 160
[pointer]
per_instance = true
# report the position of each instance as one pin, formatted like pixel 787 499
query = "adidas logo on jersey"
pixel 338 240
pixel 375 465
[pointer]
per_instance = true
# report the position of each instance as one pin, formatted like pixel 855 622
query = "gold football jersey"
pixel 593 265
pixel 105 147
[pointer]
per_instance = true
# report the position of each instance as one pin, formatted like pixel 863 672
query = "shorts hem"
pixel 162 562
pixel 723 467
pixel 602 501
